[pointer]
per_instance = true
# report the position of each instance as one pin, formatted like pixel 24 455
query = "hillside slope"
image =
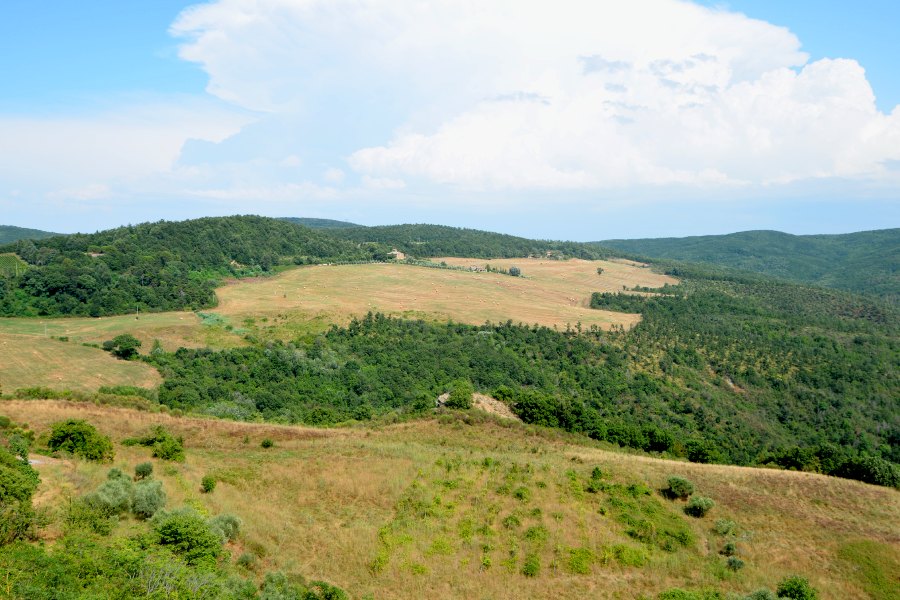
pixel 11 233
pixel 422 240
pixel 865 262
pixel 314 223
pixel 467 506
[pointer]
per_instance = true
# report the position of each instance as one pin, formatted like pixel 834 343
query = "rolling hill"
pixel 319 223
pixel 11 233
pixel 867 262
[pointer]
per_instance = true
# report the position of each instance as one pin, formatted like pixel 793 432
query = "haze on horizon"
pixel 580 120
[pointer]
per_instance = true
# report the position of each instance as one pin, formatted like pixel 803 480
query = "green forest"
pixel 728 366
pixel 723 368
pixel 867 262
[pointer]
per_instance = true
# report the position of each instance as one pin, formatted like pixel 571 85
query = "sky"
pixel 576 119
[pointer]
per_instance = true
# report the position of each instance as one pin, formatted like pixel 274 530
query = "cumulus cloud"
pixel 576 94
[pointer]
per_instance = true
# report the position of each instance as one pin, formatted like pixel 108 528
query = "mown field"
pixel 550 293
pixel 308 300
pixel 459 506
pixel 32 361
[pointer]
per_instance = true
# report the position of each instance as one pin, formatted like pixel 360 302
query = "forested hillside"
pixel 11 233
pixel 440 240
pixel 157 266
pixel 722 368
pixel 867 262
pixel 319 223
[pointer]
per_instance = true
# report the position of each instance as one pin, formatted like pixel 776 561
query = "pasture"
pixel 550 293
pixel 33 361
pixel 453 507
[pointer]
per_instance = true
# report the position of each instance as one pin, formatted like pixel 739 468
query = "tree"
pixel 460 394
pixel 125 346
pixel 515 271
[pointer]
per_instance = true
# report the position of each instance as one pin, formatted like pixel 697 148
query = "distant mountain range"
pixel 11 233
pixel 866 262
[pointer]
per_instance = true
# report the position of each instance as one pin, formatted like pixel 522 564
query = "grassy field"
pixel 11 265
pixel 449 509
pixel 307 301
pixel 551 293
pixel 31 361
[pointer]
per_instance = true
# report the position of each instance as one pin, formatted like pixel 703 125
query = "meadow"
pixel 466 505
pixel 307 300
pixel 550 293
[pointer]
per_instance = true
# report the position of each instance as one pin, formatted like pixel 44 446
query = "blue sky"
pixel 587 120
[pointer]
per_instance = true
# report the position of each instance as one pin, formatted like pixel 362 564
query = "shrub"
pixel 267 443
pixel 532 565
pixel 207 484
pixel 247 561
pixel 761 594
pixel 165 445
pixel 679 487
pixel 580 560
pixel 461 392
pixel 149 498
pixel 734 563
pixel 113 497
pixel 512 522
pixel 17 520
pixel 80 438
pixel 83 515
pixel 188 534
pixel 143 470
pixel 796 588
pixel 698 506
pixel 227 525
pixel 725 527
pixel 4 422
pixel 124 346
pixel 729 549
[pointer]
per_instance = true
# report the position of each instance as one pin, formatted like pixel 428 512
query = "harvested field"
pixel 31 361
pixel 550 293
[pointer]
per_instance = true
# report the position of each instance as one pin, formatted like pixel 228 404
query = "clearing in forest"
pixel 550 293
pixel 31 361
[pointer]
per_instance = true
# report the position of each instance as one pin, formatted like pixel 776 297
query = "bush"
pixel 83 515
pixel 16 521
pixel 124 346
pixel 729 549
pixel 113 497
pixel 80 438
pixel 165 445
pixel 461 392
pixel 188 534
pixel 532 566
pixel 267 443
pixel 207 484
pixel 698 506
pixel 227 525
pixel 796 588
pixel 761 594
pixel 149 498
pixel 725 527
pixel 143 470
pixel 679 487
pixel 734 563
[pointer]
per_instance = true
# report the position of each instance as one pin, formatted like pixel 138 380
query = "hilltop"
pixel 867 262
pixel 11 233
pixel 319 223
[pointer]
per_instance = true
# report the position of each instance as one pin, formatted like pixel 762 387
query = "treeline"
pixel 425 241
pixel 867 262
pixel 158 266
pixel 645 389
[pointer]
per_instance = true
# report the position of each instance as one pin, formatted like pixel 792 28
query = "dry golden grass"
pixel 315 503
pixel 172 329
pixel 30 361
pixel 551 293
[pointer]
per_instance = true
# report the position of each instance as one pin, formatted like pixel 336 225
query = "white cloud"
pixel 575 94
